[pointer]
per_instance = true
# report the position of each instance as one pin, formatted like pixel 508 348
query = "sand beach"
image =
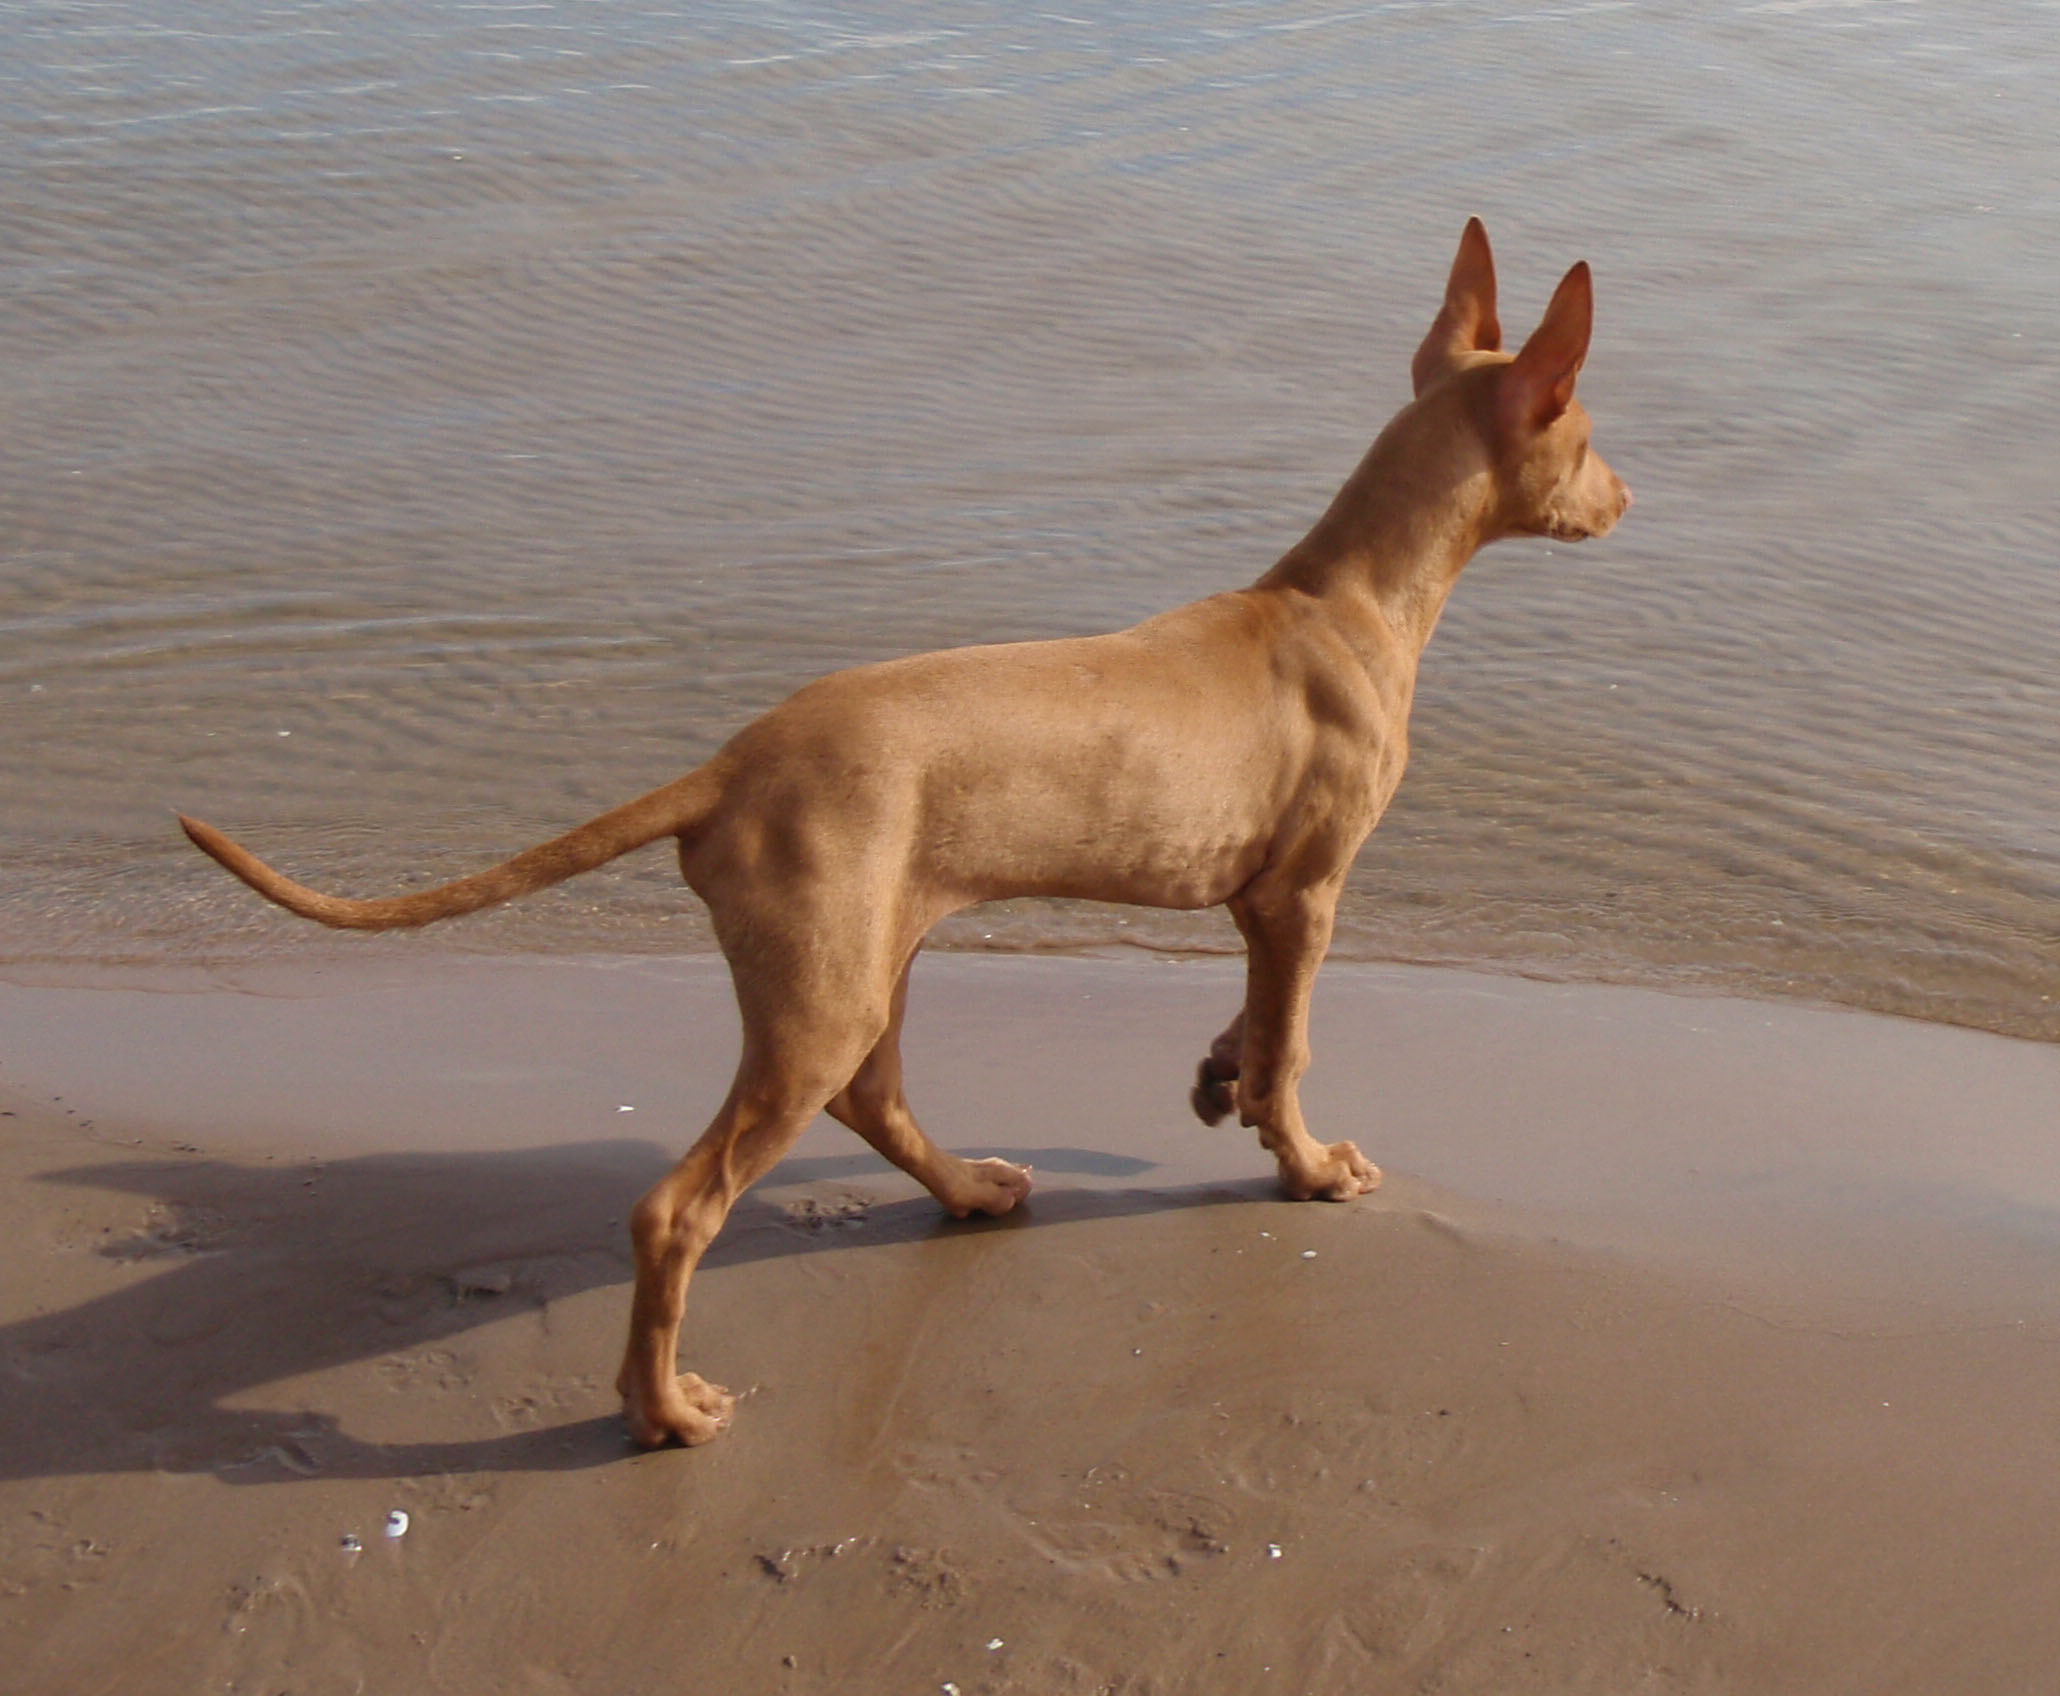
pixel 1691 1344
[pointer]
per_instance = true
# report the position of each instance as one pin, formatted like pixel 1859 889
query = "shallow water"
pixel 429 423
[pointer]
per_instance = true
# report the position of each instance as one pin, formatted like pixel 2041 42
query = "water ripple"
pixel 541 389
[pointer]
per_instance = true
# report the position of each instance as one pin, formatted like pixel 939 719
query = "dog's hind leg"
pixel 1214 1097
pixel 803 1036
pixel 1286 931
pixel 873 1105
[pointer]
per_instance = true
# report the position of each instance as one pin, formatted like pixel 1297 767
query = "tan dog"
pixel 1237 750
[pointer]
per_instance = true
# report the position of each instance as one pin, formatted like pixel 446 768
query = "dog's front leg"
pixel 1286 931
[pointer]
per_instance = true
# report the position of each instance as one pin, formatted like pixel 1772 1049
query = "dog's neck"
pixel 1395 539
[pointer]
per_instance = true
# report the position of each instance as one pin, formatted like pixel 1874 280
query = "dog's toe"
pixel 1342 1174
pixel 1356 1175
pixel 990 1186
pixel 1214 1097
pixel 1367 1177
pixel 694 1412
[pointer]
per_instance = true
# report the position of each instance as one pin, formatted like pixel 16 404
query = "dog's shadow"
pixel 261 1273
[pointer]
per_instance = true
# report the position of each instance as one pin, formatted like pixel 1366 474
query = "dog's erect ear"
pixel 1539 384
pixel 1466 323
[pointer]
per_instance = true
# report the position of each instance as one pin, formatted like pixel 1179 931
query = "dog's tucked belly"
pixel 1106 815
pixel 1128 873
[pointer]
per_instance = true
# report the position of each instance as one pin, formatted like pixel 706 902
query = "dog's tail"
pixel 678 809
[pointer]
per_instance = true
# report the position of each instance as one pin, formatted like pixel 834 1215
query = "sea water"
pixel 424 423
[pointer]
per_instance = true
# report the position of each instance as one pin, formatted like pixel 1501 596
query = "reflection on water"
pixel 430 422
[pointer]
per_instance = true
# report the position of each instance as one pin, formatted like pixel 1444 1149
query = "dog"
pixel 1236 750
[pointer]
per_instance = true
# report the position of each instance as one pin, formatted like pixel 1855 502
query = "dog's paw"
pixel 1341 1173
pixel 1214 1097
pixel 689 1411
pixel 987 1186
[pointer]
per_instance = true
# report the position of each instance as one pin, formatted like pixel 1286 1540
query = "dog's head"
pixel 1549 479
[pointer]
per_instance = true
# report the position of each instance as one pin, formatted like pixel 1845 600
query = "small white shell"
pixel 397 1523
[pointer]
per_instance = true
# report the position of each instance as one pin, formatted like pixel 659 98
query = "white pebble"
pixel 397 1523
pixel 625 1109
pixel 1308 1254
pixel 1273 1551
pixel 993 1643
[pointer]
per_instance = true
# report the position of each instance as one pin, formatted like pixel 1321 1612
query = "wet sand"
pixel 1692 1344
